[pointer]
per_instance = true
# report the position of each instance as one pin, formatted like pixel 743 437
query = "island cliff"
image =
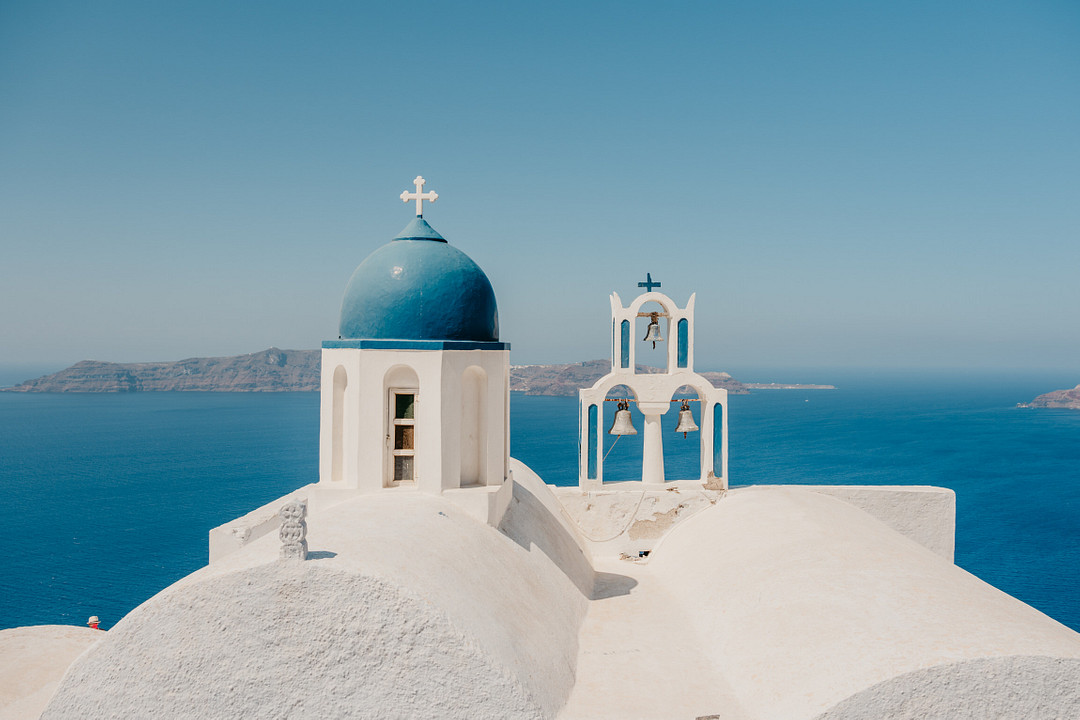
pixel 566 380
pixel 271 370
pixel 1057 399
pixel 275 370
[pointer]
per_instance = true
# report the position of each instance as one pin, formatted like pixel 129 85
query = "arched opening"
pixel 591 452
pixel 684 343
pixel 683 448
pixel 624 345
pixel 337 449
pixel 473 426
pixel 621 458
pixel 651 349
pixel 718 440
pixel 402 396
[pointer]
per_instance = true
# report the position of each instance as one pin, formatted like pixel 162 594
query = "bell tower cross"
pixel 648 284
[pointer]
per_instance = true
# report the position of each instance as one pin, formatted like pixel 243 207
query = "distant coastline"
pixel 272 370
pixel 1069 399
pixel 786 386
pixel 276 370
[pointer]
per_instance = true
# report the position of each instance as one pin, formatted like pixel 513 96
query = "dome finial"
pixel 419 196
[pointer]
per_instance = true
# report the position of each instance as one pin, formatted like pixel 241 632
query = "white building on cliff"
pixel 444 579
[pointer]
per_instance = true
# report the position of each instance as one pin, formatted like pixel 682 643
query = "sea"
pixel 109 497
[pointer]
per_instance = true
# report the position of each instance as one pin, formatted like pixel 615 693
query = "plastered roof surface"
pixel 774 603
pixel 801 600
pixel 32 661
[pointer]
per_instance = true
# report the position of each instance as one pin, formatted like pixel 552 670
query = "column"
pixel 652 459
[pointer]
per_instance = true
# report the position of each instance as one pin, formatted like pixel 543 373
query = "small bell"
pixel 686 420
pixel 653 331
pixel 622 425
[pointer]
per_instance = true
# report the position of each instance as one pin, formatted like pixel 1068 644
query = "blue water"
pixel 110 497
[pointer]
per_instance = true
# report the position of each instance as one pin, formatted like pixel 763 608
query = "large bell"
pixel 653 331
pixel 686 420
pixel 622 425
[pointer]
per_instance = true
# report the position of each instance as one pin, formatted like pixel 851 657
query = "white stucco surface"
pixel 235 534
pixel 769 603
pixel 923 513
pixel 354 419
pixel 32 661
pixel 535 520
pixel 1006 688
pixel 254 644
pixel 801 600
pixel 640 657
pixel 407 607
pixel 631 517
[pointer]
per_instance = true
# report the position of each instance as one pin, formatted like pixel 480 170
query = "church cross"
pixel 419 196
pixel 648 284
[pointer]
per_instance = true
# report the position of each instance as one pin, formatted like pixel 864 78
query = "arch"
pixel 698 410
pixel 673 382
pixel 401 397
pixel 718 440
pixel 683 342
pixel 337 440
pixel 619 455
pixel 623 388
pixel 402 376
pixel 592 434
pixel 618 390
pixel 605 384
pixel 657 353
pixel 473 426
pixel 659 298
pixel 624 344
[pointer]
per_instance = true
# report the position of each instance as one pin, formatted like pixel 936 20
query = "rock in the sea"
pixel 1056 399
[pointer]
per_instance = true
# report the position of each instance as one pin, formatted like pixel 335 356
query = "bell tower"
pixel 653 393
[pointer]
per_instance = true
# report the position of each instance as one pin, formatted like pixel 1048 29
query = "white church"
pixel 429 574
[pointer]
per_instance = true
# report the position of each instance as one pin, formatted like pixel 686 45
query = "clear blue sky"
pixel 842 183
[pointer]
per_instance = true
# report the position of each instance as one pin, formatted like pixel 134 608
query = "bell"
pixel 686 420
pixel 653 331
pixel 622 425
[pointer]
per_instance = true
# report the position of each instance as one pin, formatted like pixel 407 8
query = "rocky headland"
pixel 1057 399
pixel 275 370
pixel 566 380
pixel 271 370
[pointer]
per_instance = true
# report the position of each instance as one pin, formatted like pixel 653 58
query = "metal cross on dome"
pixel 419 196
pixel 649 284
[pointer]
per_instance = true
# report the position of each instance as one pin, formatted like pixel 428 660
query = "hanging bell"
pixel 653 331
pixel 622 425
pixel 686 420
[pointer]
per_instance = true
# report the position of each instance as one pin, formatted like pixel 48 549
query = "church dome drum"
pixel 419 287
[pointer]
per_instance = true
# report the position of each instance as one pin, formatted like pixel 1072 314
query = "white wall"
pixel 439 377
pixel 652 393
pixel 651 388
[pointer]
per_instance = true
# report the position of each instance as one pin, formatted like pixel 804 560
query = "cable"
pixel 617 438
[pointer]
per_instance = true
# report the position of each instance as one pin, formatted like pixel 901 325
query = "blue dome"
pixel 418 287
